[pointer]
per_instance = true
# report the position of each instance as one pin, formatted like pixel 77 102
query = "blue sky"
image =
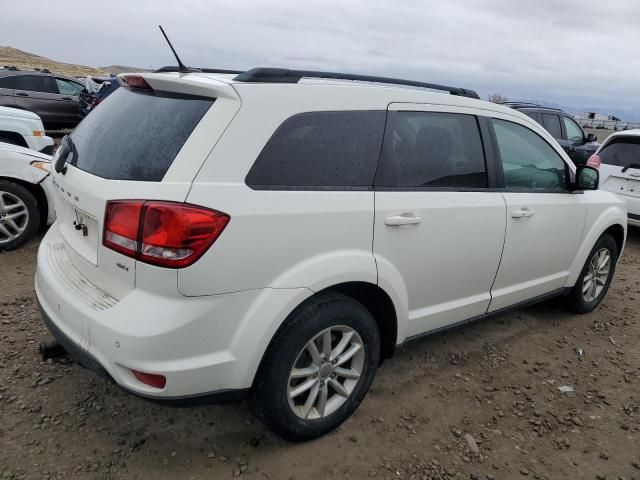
pixel 573 52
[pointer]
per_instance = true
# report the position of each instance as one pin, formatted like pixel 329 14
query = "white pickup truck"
pixel 25 129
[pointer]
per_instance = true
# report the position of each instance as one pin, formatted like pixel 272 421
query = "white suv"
pixel 23 128
pixel 281 232
pixel 618 159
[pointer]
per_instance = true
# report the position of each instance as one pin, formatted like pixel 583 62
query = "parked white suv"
pixel 25 129
pixel 618 159
pixel 280 233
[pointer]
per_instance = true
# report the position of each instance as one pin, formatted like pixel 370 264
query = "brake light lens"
pixel 95 102
pixel 167 234
pixel 594 161
pixel 136 81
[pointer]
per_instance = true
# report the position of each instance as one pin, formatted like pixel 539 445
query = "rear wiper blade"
pixel 66 148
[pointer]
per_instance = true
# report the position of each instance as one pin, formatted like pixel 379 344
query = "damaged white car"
pixel 26 198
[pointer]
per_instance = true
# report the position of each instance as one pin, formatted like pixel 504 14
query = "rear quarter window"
pixel 621 152
pixel 135 136
pixel 318 150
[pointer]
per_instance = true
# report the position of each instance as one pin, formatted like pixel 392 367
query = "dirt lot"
pixel 476 402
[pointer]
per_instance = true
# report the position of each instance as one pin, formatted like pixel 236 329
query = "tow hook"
pixel 50 348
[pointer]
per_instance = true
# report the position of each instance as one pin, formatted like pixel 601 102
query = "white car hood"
pixel 8 147
pixel 17 112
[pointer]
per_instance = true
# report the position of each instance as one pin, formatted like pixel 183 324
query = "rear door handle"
pixel 404 219
pixel 22 94
pixel 67 98
pixel 524 212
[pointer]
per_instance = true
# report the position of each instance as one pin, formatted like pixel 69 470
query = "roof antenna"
pixel 181 66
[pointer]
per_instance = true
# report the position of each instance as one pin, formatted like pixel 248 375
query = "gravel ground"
pixel 477 402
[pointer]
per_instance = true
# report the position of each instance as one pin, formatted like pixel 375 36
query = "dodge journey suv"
pixel 280 233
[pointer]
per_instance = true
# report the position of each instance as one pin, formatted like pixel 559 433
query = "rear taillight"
pixel 95 102
pixel 166 234
pixel 594 161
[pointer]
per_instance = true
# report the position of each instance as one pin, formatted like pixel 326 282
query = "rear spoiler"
pixel 189 84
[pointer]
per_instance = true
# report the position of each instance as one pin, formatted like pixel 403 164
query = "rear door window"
pixel 318 150
pixel 621 152
pixel 37 83
pixel 551 123
pixel 135 136
pixel 8 82
pixel 432 150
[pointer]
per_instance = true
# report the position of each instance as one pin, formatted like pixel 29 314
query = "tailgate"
pixel 139 145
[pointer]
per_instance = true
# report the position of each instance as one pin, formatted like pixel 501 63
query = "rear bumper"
pixel 202 345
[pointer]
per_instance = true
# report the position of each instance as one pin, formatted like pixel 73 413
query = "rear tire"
pixel 19 215
pixel 302 393
pixel 595 278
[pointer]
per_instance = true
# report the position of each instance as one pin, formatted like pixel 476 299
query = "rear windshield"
pixel 621 152
pixel 135 136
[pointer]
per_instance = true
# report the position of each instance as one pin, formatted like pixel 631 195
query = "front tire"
pixel 596 275
pixel 318 367
pixel 19 215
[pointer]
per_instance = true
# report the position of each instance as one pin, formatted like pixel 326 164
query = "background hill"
pixel 25 61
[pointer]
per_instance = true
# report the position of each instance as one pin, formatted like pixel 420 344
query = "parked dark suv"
pixel 55 98
pixel 578 145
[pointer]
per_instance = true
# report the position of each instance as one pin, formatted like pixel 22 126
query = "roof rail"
pixel 514 104
pixel 202 70
pixel 282 75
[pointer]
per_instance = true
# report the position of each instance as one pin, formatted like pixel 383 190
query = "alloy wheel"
pixel 14 217
pixel 326 372
pixel 597 275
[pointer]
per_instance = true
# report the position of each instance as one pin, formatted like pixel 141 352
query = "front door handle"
pixel 22 94
pixel 404 219
pixel 67 98
pixel 524 212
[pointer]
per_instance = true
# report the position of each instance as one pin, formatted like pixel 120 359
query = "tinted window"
pixel 552 123
pixel 37 83
pixel 528 161
pixel 135 136
pixel 428 149
pixel 574 132
pixel 535 115
pixel 621 152
pixel 8 82
pixel 321 149
pixel 67 87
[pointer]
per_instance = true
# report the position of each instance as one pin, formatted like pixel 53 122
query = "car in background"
pixel 95 91
pixel 571 137
pixel 24 129
pixel 53 97
pixel 26 194
pixel 618 159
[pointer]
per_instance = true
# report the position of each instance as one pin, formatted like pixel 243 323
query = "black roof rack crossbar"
pixel 202 70
pixel 528 104
pixel 282 75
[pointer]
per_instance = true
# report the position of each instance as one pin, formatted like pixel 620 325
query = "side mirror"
pixel 592 138
pixel 587 178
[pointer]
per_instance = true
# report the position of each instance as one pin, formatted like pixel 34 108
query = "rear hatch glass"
pixel 621 152
pixel 135 135
pixel 620 166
